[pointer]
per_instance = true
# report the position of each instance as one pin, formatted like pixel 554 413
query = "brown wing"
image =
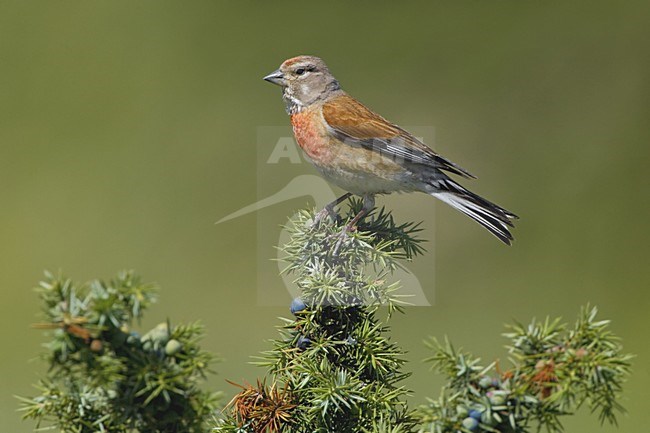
pixel 353 123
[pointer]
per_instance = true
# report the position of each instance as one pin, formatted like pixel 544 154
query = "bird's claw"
pixel 330 210
pixel 324 213
pixel 342 236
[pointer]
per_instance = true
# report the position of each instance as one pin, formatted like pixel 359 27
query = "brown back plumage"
pixel 356 124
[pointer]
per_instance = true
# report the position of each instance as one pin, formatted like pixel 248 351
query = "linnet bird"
pixel 363 153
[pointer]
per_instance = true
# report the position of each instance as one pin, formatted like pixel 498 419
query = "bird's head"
pixel 305 80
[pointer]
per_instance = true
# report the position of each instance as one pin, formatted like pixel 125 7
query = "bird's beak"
pixel 276 77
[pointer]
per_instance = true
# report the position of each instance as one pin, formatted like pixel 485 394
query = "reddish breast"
pixel 310 134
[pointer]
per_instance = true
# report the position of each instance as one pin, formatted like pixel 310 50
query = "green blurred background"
pixel 128 128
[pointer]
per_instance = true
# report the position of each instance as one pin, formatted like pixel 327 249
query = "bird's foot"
pixel 351 227
pixel 343 235
pixel 330 210
pixel 327 211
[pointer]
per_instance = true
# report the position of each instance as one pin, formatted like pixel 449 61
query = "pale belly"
pixel 362 177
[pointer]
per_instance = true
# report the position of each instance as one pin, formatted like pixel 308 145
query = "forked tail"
pixel 494 218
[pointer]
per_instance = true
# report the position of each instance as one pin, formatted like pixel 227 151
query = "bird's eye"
pixel 300 71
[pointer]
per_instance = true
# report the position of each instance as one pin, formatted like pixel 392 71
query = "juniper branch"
pixel 104 376
pixel 554 371
pixel 341 371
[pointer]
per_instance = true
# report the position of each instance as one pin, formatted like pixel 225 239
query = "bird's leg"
pixel 329 209
pixel 368 205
